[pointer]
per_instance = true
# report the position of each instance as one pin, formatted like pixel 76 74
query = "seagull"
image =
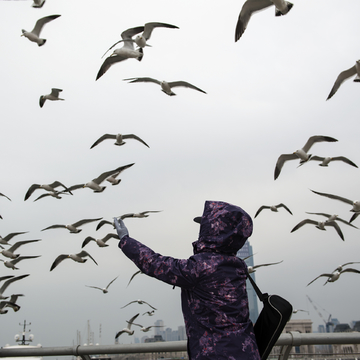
pixel 165 86
pixel 5 196
pixel 341 267
pixel 73 228
pixel 333 218
pixel 326 160
pixel 150 313
pixel 104 290
pixel 334 275
pixel 272 208
pixel 250 6
pixel 10 251
pixel 38 3
pixel 11 264
pixel 127 51
pixel 11 303
pixel 128 328
pixel 344 75
pixel 34 34
pixel 147 328
pixel 297 310
pixel 8 282
pixel 355 204
pixel 320 225
pixel 100 242
pixel 53 96
pixel 132 277
pixel 76 257
pixel 119 139
pixel 95 183
pixel 300 153
pixel 47 187
pixel 139 302
pixel 251 269
pixel 5 240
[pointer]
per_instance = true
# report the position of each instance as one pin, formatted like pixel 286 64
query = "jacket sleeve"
pixel 178 272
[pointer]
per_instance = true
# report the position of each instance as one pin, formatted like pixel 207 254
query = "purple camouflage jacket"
pixel 213 288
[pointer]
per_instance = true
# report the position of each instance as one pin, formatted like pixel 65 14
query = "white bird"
pixel 150 313
pixel 76 257
pixel 332 277
pixel 326 160
pixel 100 242
pixel 127 51
pixel 48 187
pixel 301 154
pixel 10 251
pixel 1 194
pixel 38 3
pixel 354 203
pixel 53 96
pixel 95 183
pixel 297 310
pixel 139 302
pixel 252 269
pixel 147 328
pixel 345 75
pixel 165 86
pixel 8 282
pixel 73 228
pixel 34 34
pixel 5 240
pixel 119 139
pixel 105 289
pixel 128 328
pixel 333 217
pixel 320 225
pixel 250 6
pixel 272 208
pixel 11 264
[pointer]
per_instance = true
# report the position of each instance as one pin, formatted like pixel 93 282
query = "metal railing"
pixel 286 341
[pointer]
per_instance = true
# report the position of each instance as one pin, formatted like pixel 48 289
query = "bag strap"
pixel 261 296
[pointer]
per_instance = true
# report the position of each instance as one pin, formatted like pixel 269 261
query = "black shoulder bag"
pixel 271 321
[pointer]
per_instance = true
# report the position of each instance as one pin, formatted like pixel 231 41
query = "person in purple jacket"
pixel 212 281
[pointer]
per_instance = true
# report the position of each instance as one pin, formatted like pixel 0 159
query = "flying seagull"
pixel 355 203
pixel 127 51
pixel 139 302
pixel 334 275
pixel 119 139
pixel 76 257
pixel 47 187
pixel 11 264
pixel 345 75
pixel 38 3
pixel 73 228
pixel 10 251
pixel 95 183
pixel 128 328
pixel 100 242
pixel 320 225
pixel 34 34
pixel 104 290
pixel 150 313
pixel 326 160
pixel 272 208
pixel 297 310
pixel 250 6
pixel 8 282
pixel 5 240
pixel 252 269
pixel 333 217
pixel 301 154
pixel 53 96
pixel 1 194
pixel 165 86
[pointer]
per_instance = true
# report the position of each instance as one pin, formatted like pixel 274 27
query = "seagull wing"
pixel 11 235
pixel 58 260
pixel 132 277
pixel 102 138
pixel 94 287
pixel 344 159
pixel 317 158
pixel 301 223
pixel 344 75
pixel 1 194
pixel 109 236
pixel 85 253
pixel 122 217
pixel 75 187
pixel 31 189
pixel 150 211
pixel 350 270
pixel 327 275
pixel 103 222
pixel 284 206
pixel 131 302
pixel 15 261
pixel 335 197
pixel 87 240
pixel 108 62
pixel 184 84
pixel 111 282
pixel 56 226
pixel 129 33
pixel 143 79
pixel 85 221
pixel 149 305
pixel 8 282
pixel 317 138
pixel 19 243
pixel 337 228
pixel 256 266
pixel 280 162
pixel 55 92
pixel 41 22
pixel 349 263
pixel 132 136
pixel 149 27
pixel 106 174
pixel 260 209
pixel 249 7
pixel 130 322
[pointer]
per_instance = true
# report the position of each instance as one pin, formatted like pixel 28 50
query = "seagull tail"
pixel 42 42
pixel 289 5
pixel 139 58
pixel 357 78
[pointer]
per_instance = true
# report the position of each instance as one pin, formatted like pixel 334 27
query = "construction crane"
pixel 328 323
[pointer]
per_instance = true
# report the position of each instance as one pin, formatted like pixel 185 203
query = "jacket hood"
pixel 224 228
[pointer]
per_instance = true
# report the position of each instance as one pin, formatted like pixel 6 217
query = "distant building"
pixel 182 332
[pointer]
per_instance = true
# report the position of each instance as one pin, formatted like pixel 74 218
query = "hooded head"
pixel 224 228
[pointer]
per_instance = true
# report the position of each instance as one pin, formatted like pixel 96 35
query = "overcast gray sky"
pixel 266 95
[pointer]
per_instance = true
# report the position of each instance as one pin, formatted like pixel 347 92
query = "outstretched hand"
pixel 120 228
